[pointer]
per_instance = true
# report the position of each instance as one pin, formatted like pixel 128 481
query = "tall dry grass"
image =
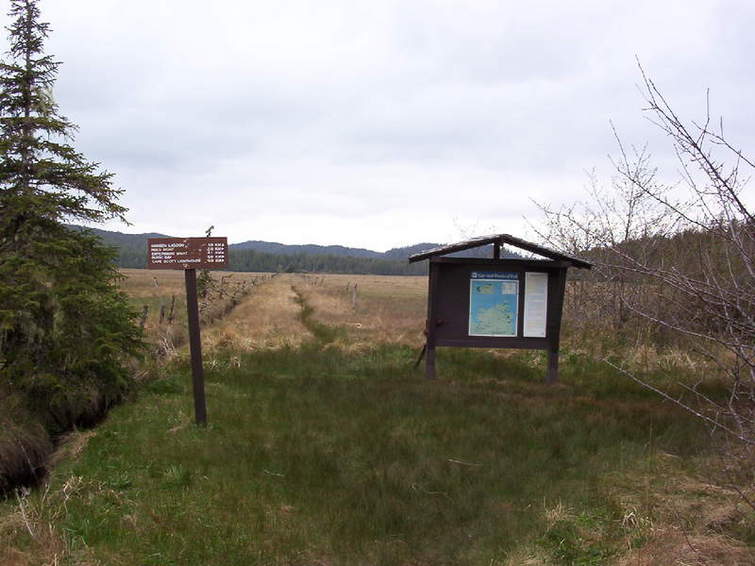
pixel 372 309
pixel 267 318
pixel 160 296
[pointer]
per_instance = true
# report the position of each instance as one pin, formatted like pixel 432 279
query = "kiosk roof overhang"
pixel 501 239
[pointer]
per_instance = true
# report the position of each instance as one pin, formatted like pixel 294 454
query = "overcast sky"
pixel 380 124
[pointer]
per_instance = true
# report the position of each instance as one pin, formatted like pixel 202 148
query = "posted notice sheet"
pixel 535 304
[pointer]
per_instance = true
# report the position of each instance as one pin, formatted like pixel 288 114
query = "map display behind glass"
pixel 493 303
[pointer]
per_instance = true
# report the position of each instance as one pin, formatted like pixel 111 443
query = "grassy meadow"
pixel 325 446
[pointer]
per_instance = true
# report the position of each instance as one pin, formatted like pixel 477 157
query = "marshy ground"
pixel 325 446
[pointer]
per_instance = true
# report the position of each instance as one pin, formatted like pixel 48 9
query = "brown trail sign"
pixel 496 303
pixel 187 253
pixel 190 254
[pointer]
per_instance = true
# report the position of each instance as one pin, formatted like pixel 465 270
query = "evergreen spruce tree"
pixel 65 329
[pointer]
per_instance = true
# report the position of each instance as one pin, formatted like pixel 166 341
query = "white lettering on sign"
pixel 187 253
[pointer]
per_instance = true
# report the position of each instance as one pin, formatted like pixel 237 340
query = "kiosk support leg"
pixel 430 325
pixel 430 361
pixel 552 375
pixel 556 295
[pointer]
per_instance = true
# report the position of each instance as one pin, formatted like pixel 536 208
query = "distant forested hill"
pixel 132 248
pixel 256 255
pixel 307 249
pixel 250 260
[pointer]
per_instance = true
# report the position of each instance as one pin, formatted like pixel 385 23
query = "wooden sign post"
pixel 190 254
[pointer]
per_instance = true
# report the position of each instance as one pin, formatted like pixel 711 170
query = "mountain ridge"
pixel 259 255
pixel 113 237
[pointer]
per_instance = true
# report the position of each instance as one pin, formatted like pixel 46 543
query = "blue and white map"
pixel 493 303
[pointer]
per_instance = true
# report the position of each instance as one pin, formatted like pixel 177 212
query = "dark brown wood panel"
pixel 449 305
pixel 492 342
pixel 451 311
pixel 187 253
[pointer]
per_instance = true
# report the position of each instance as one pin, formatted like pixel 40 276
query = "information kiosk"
pixel 495 302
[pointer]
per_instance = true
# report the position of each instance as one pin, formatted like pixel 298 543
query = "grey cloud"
pixel 378 112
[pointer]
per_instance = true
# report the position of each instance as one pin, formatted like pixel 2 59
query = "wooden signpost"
pixel 496 303
pixel 190 254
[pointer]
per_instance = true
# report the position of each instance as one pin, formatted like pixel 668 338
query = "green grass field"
pixel 313 455
pixel 320 455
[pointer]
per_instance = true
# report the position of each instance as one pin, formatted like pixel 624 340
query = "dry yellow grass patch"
pixel 162 283
pixel 388 309
pixel 689 522
pixel 672 547
pixel 266 318
pixel 156 289
pixel 150 283
pixel 528 555
pixel 33 523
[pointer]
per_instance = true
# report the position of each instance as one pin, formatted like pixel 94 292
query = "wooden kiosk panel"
pixel 496 303
pixel 453 301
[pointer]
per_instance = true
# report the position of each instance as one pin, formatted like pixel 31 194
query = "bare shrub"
pixel 674 262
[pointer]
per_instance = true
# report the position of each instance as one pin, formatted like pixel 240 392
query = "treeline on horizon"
pixel 251 260
pixel 683 246
pixel 657 252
